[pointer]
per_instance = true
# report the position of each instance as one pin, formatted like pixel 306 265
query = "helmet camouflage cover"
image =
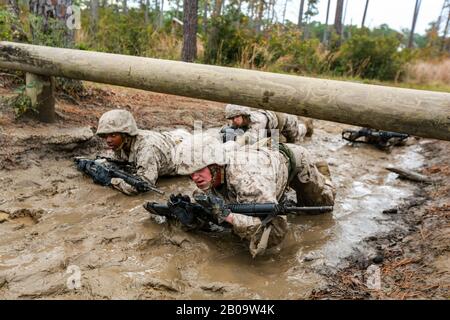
pixel 118 120
pixel 234 110
pixel 199 152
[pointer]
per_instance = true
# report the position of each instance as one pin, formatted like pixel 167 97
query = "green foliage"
pixel 54 34
pixel 10 26
pixel 292 54
pixel 370 57
pixel 6 20
pixel 21 103
pixel 228 35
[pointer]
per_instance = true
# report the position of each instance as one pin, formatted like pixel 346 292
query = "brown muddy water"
pixel 64 237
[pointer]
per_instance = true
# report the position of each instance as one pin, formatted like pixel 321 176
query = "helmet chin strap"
pixel 215 172
pixel 126 141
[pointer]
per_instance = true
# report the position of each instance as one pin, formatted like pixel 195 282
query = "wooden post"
pixel 41 90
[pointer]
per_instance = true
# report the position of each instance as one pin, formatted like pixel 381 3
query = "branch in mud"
pixel 411 175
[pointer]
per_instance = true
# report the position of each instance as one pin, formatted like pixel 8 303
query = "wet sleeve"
pixel 121 185
pixel 257 128
pixel 148 164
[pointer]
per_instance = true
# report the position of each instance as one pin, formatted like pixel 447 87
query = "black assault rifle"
pixel 379 138
pixel 229 133
pixel 212 208
pixel 102 170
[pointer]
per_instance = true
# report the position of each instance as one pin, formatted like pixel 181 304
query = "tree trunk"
pixel 212 45
pixel 273 12
pixel 146 9
pixel 343 19
pixel 338 18
pixel 218 8
pixel 444 35
pixel 300 13
pixel 365 13
pixel 325 31
pixel 260 16
pixel 124 6
pixel 284 11
pixel 161 13
pixel 189 52
pixel 205 16
pixel 417 112
pixel 413 27
pixel 94 17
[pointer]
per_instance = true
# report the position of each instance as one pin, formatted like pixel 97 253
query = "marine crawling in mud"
pixel 252 175
pixel 150 153
pixel 251 125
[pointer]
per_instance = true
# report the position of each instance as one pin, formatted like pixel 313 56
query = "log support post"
pixel 41 90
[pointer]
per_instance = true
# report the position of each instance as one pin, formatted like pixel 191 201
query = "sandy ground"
pixel 64 237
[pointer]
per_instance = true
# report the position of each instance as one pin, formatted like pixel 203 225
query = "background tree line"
pixel 241 33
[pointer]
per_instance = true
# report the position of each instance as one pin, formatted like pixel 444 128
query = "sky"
pixel 396 13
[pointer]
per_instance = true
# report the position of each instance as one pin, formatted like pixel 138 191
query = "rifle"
pixel 229 133
pixel 379 138
pixel 102 170
pixel 212 208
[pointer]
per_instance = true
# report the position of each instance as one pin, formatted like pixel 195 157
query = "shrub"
pixel 370 57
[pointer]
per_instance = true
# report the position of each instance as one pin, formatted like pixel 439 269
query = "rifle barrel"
pixel 311 210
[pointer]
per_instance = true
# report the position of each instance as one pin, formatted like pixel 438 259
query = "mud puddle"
pixel 117 251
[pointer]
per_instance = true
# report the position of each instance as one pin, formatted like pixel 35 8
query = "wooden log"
pixel 417 112
pixel 41 90
pixel 410 175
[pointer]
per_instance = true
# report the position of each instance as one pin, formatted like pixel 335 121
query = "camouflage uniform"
pixel 261 175
pixel 152 153
pixel 262 122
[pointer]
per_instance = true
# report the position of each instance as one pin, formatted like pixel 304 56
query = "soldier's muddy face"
pixel 202 178
pixel 114 141
pixel 238 121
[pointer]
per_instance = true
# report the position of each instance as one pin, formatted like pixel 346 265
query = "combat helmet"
pixel 234 110
pixel 117 120
pixel 199 152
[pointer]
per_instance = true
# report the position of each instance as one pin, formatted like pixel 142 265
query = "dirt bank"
pixel 59 228
pixel 413 258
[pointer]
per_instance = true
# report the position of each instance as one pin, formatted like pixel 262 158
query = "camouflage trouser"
pixel 291 128
pixel 312 187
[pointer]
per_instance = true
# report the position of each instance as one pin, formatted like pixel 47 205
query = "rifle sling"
pixel 292 168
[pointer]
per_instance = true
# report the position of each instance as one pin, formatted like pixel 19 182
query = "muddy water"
pixel 56 221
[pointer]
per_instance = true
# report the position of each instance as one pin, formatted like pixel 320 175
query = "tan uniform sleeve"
pixel 122 186
pixel 257 129
pixel 147 164
pixel 146 168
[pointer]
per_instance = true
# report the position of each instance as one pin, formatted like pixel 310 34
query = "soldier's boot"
pixel 309 126
pixel 323 168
